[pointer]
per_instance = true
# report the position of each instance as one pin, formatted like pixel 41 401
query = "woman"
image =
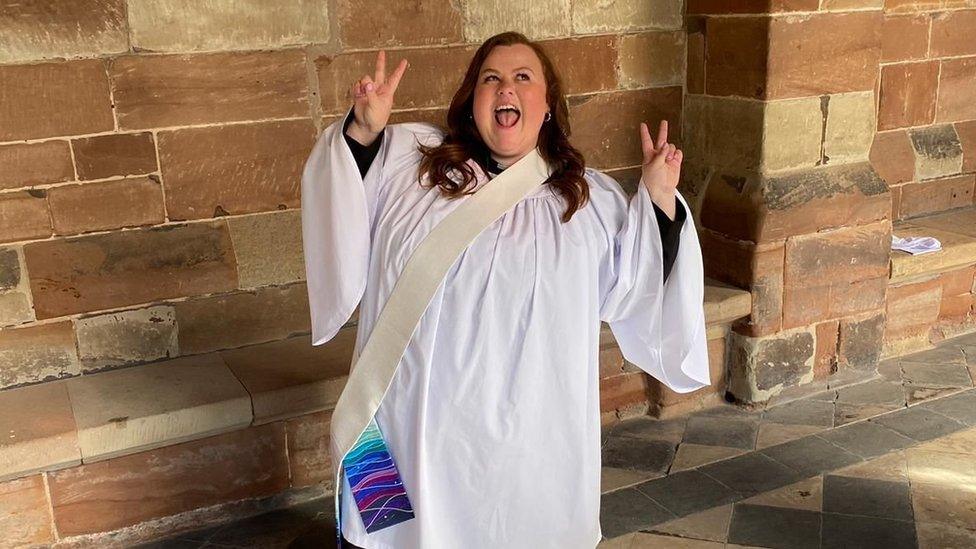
pixel 493 415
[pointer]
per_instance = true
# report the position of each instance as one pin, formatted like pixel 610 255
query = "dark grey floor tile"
pixel 171 543
pixel 866 496
pixel 729 411
pixel 948 353
pixel 751 473
pixel 919 423
pixel 960 407
pixel 850 532
pixel 275 529
pixel 649 428
pixel 878 391
pixel 811 456
pixel 628 510
pixel 867 439
pixel 688 492
pixel 779 527
pixel 915 394
pixel 716 431
pixel 890 369
pixel 802 412
pixel 638 454
pixel 846 412
pixel 937 375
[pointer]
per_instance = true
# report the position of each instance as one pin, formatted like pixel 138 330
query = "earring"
pixel 548 117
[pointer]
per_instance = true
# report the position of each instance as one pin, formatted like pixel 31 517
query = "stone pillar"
pixel 779 121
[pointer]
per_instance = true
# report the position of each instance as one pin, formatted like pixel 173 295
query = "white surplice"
pixel 493 416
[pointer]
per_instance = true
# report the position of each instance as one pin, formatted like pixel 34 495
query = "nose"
pixel 506 88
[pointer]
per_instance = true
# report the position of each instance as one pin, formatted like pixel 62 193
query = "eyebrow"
pixel 513 70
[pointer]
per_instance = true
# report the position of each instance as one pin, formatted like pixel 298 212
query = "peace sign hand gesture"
pixel 373 100
pixel 661 168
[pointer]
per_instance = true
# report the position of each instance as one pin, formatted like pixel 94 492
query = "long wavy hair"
pixel 463 142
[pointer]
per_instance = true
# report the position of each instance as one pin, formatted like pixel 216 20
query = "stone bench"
pixel 930 296
pixel 219 427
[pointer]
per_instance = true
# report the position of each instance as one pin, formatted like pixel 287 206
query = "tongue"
pixel 506 119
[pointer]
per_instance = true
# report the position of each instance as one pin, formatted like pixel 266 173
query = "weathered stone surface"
pixel 835 273
pixel 244 318
pixel 115 154
pixel 725 303
pixel 543 19
pixel 937 195
pixel 35 164
pixel 840 53
pixel 825 358
pixel 967 140
pixel 747 265
pixel 26 520
pixel 695 64
pixel 611 120
pixel 214 171
pixel 719 124
pixel 663 398
pixel 904 37
pixel 37 353
pixel 15 308
pixel 908 92
pixel 850 127
pixel 138 266
pixel 185 25
pixel 736 56
pixel 585 64
pixel 24 215
pixel 624 390
pixel 128 410
pixel 15 303
pixel 622 15
pixel 792 131
pixel 433 77
pixel 127 337
pixel 177 90
pixel 33 30
pixel 385 24
pixel 801 202
pixel 106 205
pixel 290 377
pixel 77 90
pixel 107 495
pixel 10 270
pixel 39 431
pixel 893 156
pixel 268 248
pixel 638 70
pixel 901 6
pixel 937 151
pixel 860 342
pixel 911 310
pixel 952 33
pixel 719 7
pixel 957 87
pixel 957 250
pixel 762 367
pixel 436 116
pixel 308 450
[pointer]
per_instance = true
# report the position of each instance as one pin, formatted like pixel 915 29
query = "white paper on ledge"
pixel 915 245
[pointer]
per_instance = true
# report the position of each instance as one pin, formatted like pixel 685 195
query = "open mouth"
pixel 507 116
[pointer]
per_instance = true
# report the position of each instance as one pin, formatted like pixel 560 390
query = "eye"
pixel 489 77
pixel 522 76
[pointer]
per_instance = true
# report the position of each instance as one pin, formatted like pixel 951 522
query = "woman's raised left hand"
pixel 661 168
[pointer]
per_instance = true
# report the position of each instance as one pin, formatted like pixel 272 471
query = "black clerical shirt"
pixel 670 230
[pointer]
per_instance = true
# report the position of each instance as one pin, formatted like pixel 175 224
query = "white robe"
pixel 493 416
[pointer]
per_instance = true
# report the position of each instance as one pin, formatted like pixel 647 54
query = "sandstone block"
pixel 586 64
pixel 543 19
pixel 736 56
pixel 624 15
pixel 623 391
pixel 937 195
pixel 762 367
pixel 957 87
pixel 87 28
pixel 35 164
pixel 904 37
pixel 860 342
pixel 850 127
pixel 792 131
pixel 715 129
pixel 39 431
pixel 911 310
pixel 215 171
pixel 109 270
pixel 652 59
pixel 26 520
pixel 114 155
pixel 37 353
pixel 825 358
pixel 15 303
pixel 392 23
pixel 952 33
pixel 908 92
pixel 24 215
pixel 268 248
pixel 106 205
pixel 185 25
pixel 127 337
pixel 718 7
pixel 937 151
pixel 893 156
pixel 967 140
pixel 308 450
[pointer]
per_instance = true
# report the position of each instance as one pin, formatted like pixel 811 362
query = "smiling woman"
pixel 483 259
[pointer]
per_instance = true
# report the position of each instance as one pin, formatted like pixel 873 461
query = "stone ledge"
pixel 98 416
pixel 956 231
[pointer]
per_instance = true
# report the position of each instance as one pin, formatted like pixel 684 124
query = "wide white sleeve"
pixel 660 327
pixel 339 208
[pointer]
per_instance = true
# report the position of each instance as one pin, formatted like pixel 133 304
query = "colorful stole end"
pixel 375 482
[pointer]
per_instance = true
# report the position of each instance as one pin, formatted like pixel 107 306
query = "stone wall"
pixel 150 151
pixel 804 113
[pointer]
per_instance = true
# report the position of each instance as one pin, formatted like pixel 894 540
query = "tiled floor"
pixel 889 462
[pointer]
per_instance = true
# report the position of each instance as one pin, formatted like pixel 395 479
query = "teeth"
pixel 506 108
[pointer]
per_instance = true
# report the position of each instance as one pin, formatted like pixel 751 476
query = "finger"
pixel 662 134
pixel 369 88
pixel 380 74
pixel 669 151
pixel 678 156
pixel 647 146
pixel 394 79
pixel 660 157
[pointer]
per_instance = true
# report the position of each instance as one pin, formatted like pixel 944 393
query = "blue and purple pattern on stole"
pixel 375 482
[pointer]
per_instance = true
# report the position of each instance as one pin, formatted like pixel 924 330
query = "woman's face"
pixel 510 102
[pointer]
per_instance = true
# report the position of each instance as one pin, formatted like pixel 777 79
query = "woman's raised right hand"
pixel 373 100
